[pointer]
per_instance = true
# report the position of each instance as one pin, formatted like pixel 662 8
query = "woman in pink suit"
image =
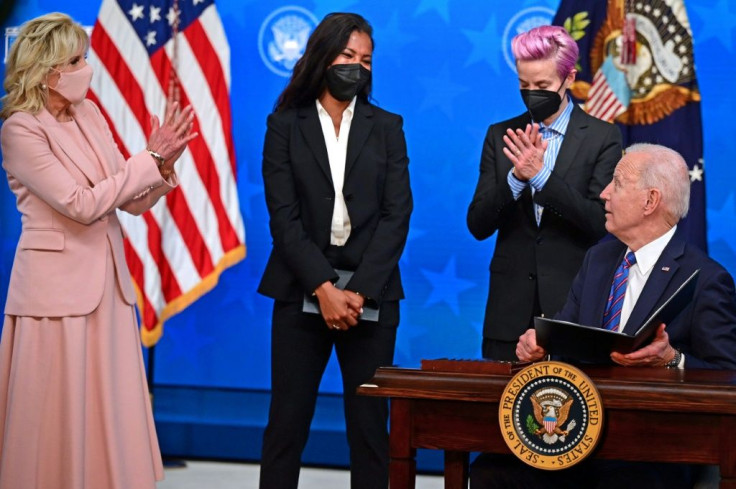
pixel 74 406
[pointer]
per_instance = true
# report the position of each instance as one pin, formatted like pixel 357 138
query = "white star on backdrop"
pixel 151 38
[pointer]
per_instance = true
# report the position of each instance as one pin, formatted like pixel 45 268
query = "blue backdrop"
pixel 445 66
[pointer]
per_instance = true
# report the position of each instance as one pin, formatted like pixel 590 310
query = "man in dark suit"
pixel 648 195
pixel 540 177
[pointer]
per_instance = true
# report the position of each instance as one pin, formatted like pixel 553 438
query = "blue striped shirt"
pixel 554 134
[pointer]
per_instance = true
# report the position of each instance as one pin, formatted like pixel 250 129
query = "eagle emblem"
pixel 550 415
pixel 551 409
pixel 283 37
pixel 290 35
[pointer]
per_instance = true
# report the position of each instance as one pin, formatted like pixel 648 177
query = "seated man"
pixel 649 194
pixel 622 281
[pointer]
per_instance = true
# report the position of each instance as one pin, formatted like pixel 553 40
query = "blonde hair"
pixel 43 43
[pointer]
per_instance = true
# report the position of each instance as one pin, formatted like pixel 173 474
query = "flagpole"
pixel 168 462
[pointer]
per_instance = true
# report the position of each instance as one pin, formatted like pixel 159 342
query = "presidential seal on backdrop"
pixel 283 37
pixel 551 415
pixel 641 59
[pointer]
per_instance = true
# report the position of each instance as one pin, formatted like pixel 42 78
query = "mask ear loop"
pixel 46 85
pixel 562 85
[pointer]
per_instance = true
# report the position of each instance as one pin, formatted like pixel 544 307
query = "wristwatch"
pixel 675 362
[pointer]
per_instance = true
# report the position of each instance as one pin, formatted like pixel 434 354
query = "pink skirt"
pixel 74 405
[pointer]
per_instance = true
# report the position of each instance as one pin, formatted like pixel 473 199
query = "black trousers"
pixel 301 345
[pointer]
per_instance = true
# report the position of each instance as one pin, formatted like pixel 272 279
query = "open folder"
pixel 591 344
pixel 311 304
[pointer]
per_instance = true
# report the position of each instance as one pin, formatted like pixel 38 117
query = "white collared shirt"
pixel 337 148
pixel 639 273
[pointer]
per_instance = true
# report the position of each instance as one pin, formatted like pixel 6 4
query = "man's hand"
pixel 527 349
pixel 525 149
pixel 656 354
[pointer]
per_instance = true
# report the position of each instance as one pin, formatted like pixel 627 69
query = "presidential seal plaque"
pixel 551 415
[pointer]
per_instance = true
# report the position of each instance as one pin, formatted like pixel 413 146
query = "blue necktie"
pixel 612 316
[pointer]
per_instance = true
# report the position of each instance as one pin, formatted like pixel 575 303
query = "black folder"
pixel 370 310
pixel 591 344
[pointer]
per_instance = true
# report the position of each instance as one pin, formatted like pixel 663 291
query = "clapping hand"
pixel 525 149
pixel 170 138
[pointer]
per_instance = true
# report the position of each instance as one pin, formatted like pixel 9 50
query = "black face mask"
pixel 541 103
pixel 345 81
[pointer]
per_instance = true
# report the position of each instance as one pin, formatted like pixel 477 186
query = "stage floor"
pixel 218 475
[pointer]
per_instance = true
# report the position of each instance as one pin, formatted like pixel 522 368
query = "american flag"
pixel 178 249
pixel 603 102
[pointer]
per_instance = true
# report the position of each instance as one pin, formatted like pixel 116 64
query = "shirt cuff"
pixel 540 179
pixel 517 186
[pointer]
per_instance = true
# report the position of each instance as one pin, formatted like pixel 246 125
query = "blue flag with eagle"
pixel 637 69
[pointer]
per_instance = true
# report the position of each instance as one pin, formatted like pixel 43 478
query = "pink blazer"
pixel 68 211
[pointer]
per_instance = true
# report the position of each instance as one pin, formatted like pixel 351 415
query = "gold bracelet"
pixel 159 159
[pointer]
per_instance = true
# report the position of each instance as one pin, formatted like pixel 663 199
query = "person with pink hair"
pixel 541 174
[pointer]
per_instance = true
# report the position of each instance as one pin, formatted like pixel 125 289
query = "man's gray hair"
pixel 666 170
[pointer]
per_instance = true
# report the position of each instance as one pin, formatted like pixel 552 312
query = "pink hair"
pixel 546 42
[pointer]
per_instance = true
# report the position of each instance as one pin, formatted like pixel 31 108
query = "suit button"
pixel 532 276
pixel 539 240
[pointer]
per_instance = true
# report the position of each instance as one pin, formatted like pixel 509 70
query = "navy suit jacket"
pixel 300 196
pixel 705 331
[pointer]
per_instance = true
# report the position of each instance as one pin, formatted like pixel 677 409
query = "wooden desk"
pixel 650 415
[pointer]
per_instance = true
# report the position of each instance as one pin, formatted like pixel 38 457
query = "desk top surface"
pixel 657 389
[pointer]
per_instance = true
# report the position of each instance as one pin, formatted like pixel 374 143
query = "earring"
pixel 43 86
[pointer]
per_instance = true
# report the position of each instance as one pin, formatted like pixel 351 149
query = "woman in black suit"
pixel 336 177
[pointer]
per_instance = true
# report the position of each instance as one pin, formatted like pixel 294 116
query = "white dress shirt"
pixel 639 273
pixel 337 147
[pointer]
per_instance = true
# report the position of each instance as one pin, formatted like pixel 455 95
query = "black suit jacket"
pixel 300 198
pixel 530 258
pixel 705 331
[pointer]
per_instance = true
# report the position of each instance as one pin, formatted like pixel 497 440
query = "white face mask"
pixel 73 85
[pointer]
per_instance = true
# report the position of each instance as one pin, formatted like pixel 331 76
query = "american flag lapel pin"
pixel 665 269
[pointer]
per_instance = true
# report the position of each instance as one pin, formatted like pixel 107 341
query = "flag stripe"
pixel 110 58
pixel 205 55
pixel 169 286
pixel 148 314
pixel 212 25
